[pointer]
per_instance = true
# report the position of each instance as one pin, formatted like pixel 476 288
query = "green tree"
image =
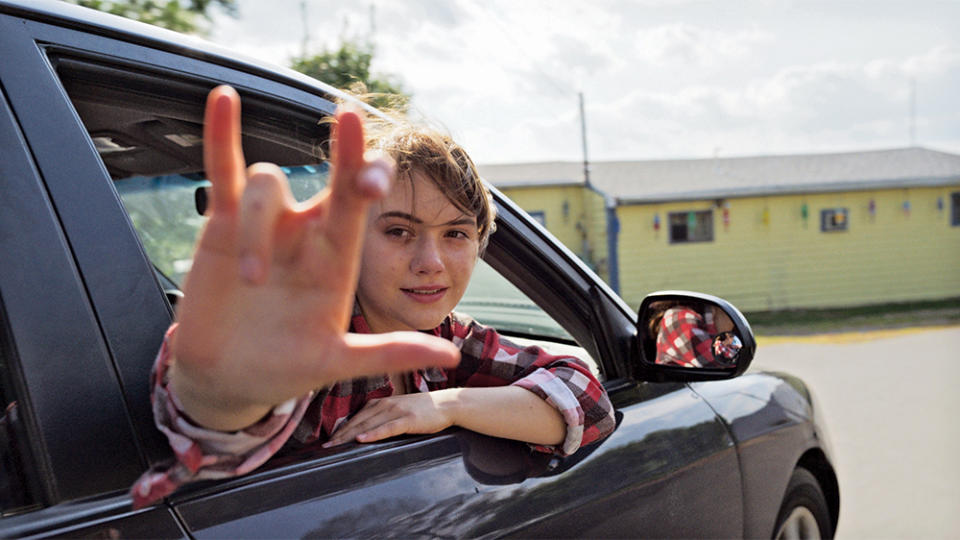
pixel 182 16
pixel 349 65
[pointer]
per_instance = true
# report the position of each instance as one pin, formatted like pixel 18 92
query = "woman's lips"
pixel 425 295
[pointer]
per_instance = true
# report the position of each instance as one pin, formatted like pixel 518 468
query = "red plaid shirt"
pixel 686 339
pixel 486 360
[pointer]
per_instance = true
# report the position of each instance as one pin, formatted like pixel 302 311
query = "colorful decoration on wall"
pixel 940 204
pixel 766 216
pixel 656 222
pixel 872 208
pixel 726 217
pixel 804 212
pixel 691 220
pixel 906 207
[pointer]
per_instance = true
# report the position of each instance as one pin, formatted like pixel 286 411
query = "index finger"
pixel 222 150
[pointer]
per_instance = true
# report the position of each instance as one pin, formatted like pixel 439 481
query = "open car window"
pixel 491 299
pixel 147 128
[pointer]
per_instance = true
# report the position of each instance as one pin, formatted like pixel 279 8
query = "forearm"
pixel 510 412
pixel 208 409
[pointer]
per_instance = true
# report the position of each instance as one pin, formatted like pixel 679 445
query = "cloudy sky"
pixel 660 78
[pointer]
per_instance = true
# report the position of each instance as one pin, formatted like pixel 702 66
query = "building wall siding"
pixel 581 227
pixel 769 257
pixel 596 231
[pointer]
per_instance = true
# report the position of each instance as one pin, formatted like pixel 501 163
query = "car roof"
pixel 61 13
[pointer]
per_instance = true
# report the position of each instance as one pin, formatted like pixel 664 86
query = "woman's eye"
pixel 457 234
pixel 398 233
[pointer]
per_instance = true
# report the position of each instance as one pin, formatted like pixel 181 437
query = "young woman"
pixel 260 355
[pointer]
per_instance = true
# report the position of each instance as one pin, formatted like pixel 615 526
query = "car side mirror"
pixel 690 336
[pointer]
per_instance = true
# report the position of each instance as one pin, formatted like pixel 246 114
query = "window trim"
pixel 828 213
pixel 709 237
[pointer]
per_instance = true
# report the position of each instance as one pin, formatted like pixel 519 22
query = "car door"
pixel 69 449
pixel 670 468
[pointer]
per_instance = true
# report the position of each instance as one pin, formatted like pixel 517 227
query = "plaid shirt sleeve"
pixel 565 382
pixel 205 454
pixel 685 339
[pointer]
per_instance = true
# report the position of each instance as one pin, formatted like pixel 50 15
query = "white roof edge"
pixel 795 189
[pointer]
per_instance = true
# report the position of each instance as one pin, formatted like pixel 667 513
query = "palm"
pixel 269 296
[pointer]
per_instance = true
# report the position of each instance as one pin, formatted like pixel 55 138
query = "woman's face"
pixel 418 255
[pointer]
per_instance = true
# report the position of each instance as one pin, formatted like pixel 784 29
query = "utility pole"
pixel 583 137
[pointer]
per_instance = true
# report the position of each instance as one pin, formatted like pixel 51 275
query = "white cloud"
pixel 695 45
pixel 661 78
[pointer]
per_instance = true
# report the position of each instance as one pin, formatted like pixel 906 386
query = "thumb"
pixel 375 354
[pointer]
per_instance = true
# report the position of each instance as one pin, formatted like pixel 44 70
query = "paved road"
pixel 892 401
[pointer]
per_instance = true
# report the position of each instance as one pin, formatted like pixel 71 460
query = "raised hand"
pixel 267 302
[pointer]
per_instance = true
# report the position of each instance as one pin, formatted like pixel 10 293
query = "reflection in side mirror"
pixel 685 335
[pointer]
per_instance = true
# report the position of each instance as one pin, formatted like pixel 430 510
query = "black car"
pixel 101 181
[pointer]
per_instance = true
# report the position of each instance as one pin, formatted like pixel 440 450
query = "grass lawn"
pixel 854 319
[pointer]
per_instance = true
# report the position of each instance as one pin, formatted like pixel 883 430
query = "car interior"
pixel 145 125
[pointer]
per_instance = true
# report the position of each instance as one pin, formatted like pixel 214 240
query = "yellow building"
pixel 766 233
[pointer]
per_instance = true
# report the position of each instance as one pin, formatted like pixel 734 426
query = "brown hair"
pixel 419 148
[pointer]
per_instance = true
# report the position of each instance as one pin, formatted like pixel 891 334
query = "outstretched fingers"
pixel 374 354
pixel 354 184
pixel 222 150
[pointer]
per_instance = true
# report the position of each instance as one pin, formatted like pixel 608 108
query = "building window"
pixel 955 209
pixel 691 226
pixel 539 216
pixel 833 219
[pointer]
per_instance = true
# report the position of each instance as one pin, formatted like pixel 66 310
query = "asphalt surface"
pixel 892 401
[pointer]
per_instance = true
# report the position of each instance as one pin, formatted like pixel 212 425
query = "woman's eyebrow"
pixel 461 221
pixel 400 215
pixel 464 220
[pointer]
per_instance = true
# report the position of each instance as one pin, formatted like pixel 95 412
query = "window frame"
pixel 707 222
pixel 832 226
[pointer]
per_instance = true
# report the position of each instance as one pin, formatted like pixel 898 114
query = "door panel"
pixel 400 488
pixel 55 333
pixel 670 470
pixel 104 517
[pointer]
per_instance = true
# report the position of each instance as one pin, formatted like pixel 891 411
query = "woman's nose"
pixel 426 258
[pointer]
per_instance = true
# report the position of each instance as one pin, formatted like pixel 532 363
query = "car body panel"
pixel 771 418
